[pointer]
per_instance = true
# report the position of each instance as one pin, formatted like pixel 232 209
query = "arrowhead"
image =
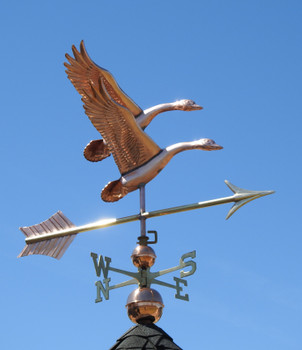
pixel 242 196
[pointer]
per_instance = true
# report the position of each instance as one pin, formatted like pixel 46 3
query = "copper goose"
pixel 81 71
pixel 137 156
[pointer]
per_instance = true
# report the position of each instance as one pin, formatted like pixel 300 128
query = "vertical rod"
pixel 142 201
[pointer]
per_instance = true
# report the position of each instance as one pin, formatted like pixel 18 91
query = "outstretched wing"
pixel 130 146
pixel 81 70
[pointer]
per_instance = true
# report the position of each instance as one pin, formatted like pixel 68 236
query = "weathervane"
pixel 139 159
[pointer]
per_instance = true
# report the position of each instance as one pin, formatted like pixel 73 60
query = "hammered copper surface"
pixel 137 156
pixel 144 303
pixel 143 256
pixel 54 247
pixel 84 73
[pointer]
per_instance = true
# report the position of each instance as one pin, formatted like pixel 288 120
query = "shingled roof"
pixel 145 337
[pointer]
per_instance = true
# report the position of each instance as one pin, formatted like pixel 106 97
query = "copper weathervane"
pixel 121 123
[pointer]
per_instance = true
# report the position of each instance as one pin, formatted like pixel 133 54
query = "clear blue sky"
pixel 240 60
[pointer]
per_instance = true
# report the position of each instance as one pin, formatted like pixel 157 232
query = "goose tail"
pixel 96 151
pixel 113 191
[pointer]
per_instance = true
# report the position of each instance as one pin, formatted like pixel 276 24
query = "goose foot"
pixel 114 191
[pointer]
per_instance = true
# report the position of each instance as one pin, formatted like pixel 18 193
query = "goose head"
pixel 186 105
pixel 207 145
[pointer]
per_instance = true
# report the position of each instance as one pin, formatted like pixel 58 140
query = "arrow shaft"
pixel 193 206
pixel 146 215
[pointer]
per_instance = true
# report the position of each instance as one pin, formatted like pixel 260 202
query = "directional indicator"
pixel 144 278
pixel 139 160
pixel 53 236
pixel 242 197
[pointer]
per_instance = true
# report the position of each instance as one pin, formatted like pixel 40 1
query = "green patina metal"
pixel 144 277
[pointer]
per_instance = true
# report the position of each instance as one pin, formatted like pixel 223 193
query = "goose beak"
pixel 196 107
pixel 212 146
pixel 216 147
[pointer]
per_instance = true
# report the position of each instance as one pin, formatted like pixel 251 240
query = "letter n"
pixel 101 289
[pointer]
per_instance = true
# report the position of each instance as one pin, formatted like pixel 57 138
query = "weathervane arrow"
pixel 53 236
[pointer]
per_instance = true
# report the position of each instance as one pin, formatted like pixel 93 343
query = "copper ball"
pixel 144 304
pixel 143 256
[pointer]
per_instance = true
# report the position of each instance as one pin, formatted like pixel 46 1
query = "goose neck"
pixel 181 146
pixel 149 114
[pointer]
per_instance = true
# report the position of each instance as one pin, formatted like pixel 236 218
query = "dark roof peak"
pixel 145 337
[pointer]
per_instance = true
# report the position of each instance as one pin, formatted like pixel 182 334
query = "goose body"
pixel 137 156
pixel 83 73
pixel 131 181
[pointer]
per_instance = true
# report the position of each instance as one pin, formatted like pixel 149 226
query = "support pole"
pixel 142 201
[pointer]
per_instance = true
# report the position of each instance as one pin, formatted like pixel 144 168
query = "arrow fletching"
pixel 54 247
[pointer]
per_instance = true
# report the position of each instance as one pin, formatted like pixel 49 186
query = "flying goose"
pixel 82 71
pixel 137 156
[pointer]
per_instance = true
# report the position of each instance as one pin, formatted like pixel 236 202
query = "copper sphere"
pixel 144 304
pixel 143 256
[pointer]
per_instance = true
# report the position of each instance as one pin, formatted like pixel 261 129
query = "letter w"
pixel 100 266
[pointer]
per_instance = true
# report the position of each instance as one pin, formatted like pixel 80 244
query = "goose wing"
pixel 81 70
pixel 130 146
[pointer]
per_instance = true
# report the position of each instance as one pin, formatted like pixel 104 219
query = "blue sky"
pixel 240 60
